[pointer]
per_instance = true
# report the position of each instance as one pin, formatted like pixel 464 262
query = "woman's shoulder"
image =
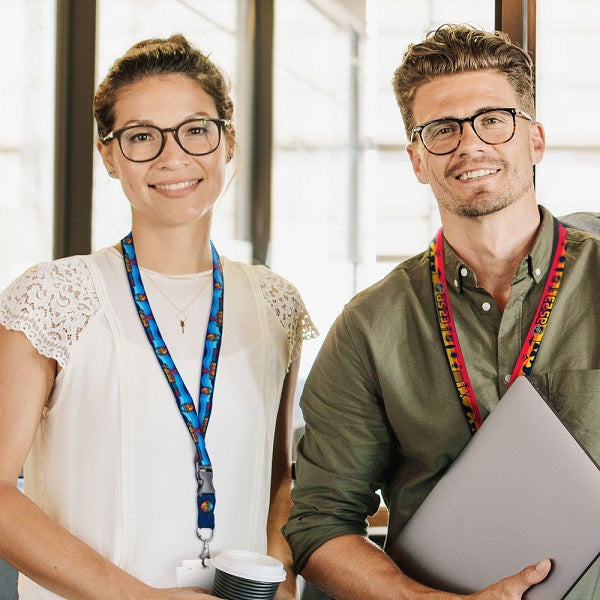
pixel 60 278
pixel 276 289
pixel 284 299
pixel 51 303
pixel 48 278
pixel 264 277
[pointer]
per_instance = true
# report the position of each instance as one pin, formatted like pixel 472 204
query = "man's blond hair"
pixel 452 49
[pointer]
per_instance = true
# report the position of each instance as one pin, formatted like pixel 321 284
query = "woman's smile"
pixel 175 187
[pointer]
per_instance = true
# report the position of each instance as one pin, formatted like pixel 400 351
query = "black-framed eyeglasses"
pixel 493 126
pixel 142 143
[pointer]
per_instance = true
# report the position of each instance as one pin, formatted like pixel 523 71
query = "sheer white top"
pixel 113 461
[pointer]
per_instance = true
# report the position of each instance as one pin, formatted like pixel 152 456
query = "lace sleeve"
pixel 285 300
pixel 51 303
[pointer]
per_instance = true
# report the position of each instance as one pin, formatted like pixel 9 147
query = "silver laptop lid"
pixel 523 489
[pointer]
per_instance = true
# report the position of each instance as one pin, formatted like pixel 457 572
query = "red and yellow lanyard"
pixel 534 336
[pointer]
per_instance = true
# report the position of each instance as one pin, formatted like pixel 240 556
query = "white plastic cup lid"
pixel 250 565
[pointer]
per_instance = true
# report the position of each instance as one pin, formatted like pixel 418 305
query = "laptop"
pixel 523 489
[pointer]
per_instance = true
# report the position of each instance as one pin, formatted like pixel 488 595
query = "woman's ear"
pixel 107 159
pixel 230 139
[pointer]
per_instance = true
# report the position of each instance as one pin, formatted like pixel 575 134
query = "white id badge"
pixel 192 573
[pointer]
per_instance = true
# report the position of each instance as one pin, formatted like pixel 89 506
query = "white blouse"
pixel 112 461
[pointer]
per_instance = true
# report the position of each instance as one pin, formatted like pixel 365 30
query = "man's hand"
pixel 513 588
pixel 350 567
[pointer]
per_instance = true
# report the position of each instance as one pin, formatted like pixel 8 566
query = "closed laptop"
pixel 523 489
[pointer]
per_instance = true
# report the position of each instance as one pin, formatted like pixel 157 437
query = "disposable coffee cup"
pixel 245 575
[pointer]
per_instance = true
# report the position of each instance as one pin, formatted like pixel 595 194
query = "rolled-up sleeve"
pixel 347 447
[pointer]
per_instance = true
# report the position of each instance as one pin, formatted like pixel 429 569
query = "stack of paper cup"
pixel 244 575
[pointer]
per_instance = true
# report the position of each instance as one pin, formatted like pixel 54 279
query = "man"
pixel 381 406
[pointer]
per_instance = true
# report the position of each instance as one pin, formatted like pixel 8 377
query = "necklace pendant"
pixel 181 317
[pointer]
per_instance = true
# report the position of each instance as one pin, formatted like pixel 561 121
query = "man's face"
pixel 476 179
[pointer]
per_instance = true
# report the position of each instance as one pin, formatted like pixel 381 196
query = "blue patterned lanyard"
pixel 196 422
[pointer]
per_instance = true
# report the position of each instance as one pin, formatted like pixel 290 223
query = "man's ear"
pixel 416 160
pixel 538 142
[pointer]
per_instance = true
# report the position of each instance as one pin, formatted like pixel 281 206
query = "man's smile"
pixel 476 174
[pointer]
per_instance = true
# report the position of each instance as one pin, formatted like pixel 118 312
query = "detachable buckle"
pixel 204 477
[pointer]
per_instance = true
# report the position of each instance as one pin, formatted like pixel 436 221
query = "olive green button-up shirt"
pixel 380 405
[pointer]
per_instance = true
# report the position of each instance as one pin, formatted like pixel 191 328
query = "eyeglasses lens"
pixel 199 137
pixel 493 127
pixel 144 142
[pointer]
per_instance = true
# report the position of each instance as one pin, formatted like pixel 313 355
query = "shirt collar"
pixel 535 264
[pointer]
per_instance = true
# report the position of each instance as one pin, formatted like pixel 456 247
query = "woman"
pixel 129 472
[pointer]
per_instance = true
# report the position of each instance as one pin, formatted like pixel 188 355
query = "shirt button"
pixel 486 306
pixel 507 378
pixel 464 272
pixel 538 271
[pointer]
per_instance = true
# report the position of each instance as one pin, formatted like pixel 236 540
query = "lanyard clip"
pixel 204 477
pixel 205 538
pixel 206 499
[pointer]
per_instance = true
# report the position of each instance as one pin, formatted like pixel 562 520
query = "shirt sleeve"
pixel 584 221
pixel 347 447
pixel 51 303
pixel 286 302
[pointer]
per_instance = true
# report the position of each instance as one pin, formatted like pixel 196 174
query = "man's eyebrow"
pixel 479 110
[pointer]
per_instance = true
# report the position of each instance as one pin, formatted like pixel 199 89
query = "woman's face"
pixel 175 188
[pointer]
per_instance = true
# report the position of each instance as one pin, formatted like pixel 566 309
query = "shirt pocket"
pixel 575 396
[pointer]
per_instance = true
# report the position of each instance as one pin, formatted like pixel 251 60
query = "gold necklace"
pixel 181 312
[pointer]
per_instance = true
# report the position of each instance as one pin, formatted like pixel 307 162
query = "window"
pixel 346 204
pixel 315 129
pixel 568 88
pixel 27 124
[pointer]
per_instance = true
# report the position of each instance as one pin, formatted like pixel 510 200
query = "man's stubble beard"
pixel 482 203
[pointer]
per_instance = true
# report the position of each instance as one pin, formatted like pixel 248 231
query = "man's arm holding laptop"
pixel 351 567
pixel 341 461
